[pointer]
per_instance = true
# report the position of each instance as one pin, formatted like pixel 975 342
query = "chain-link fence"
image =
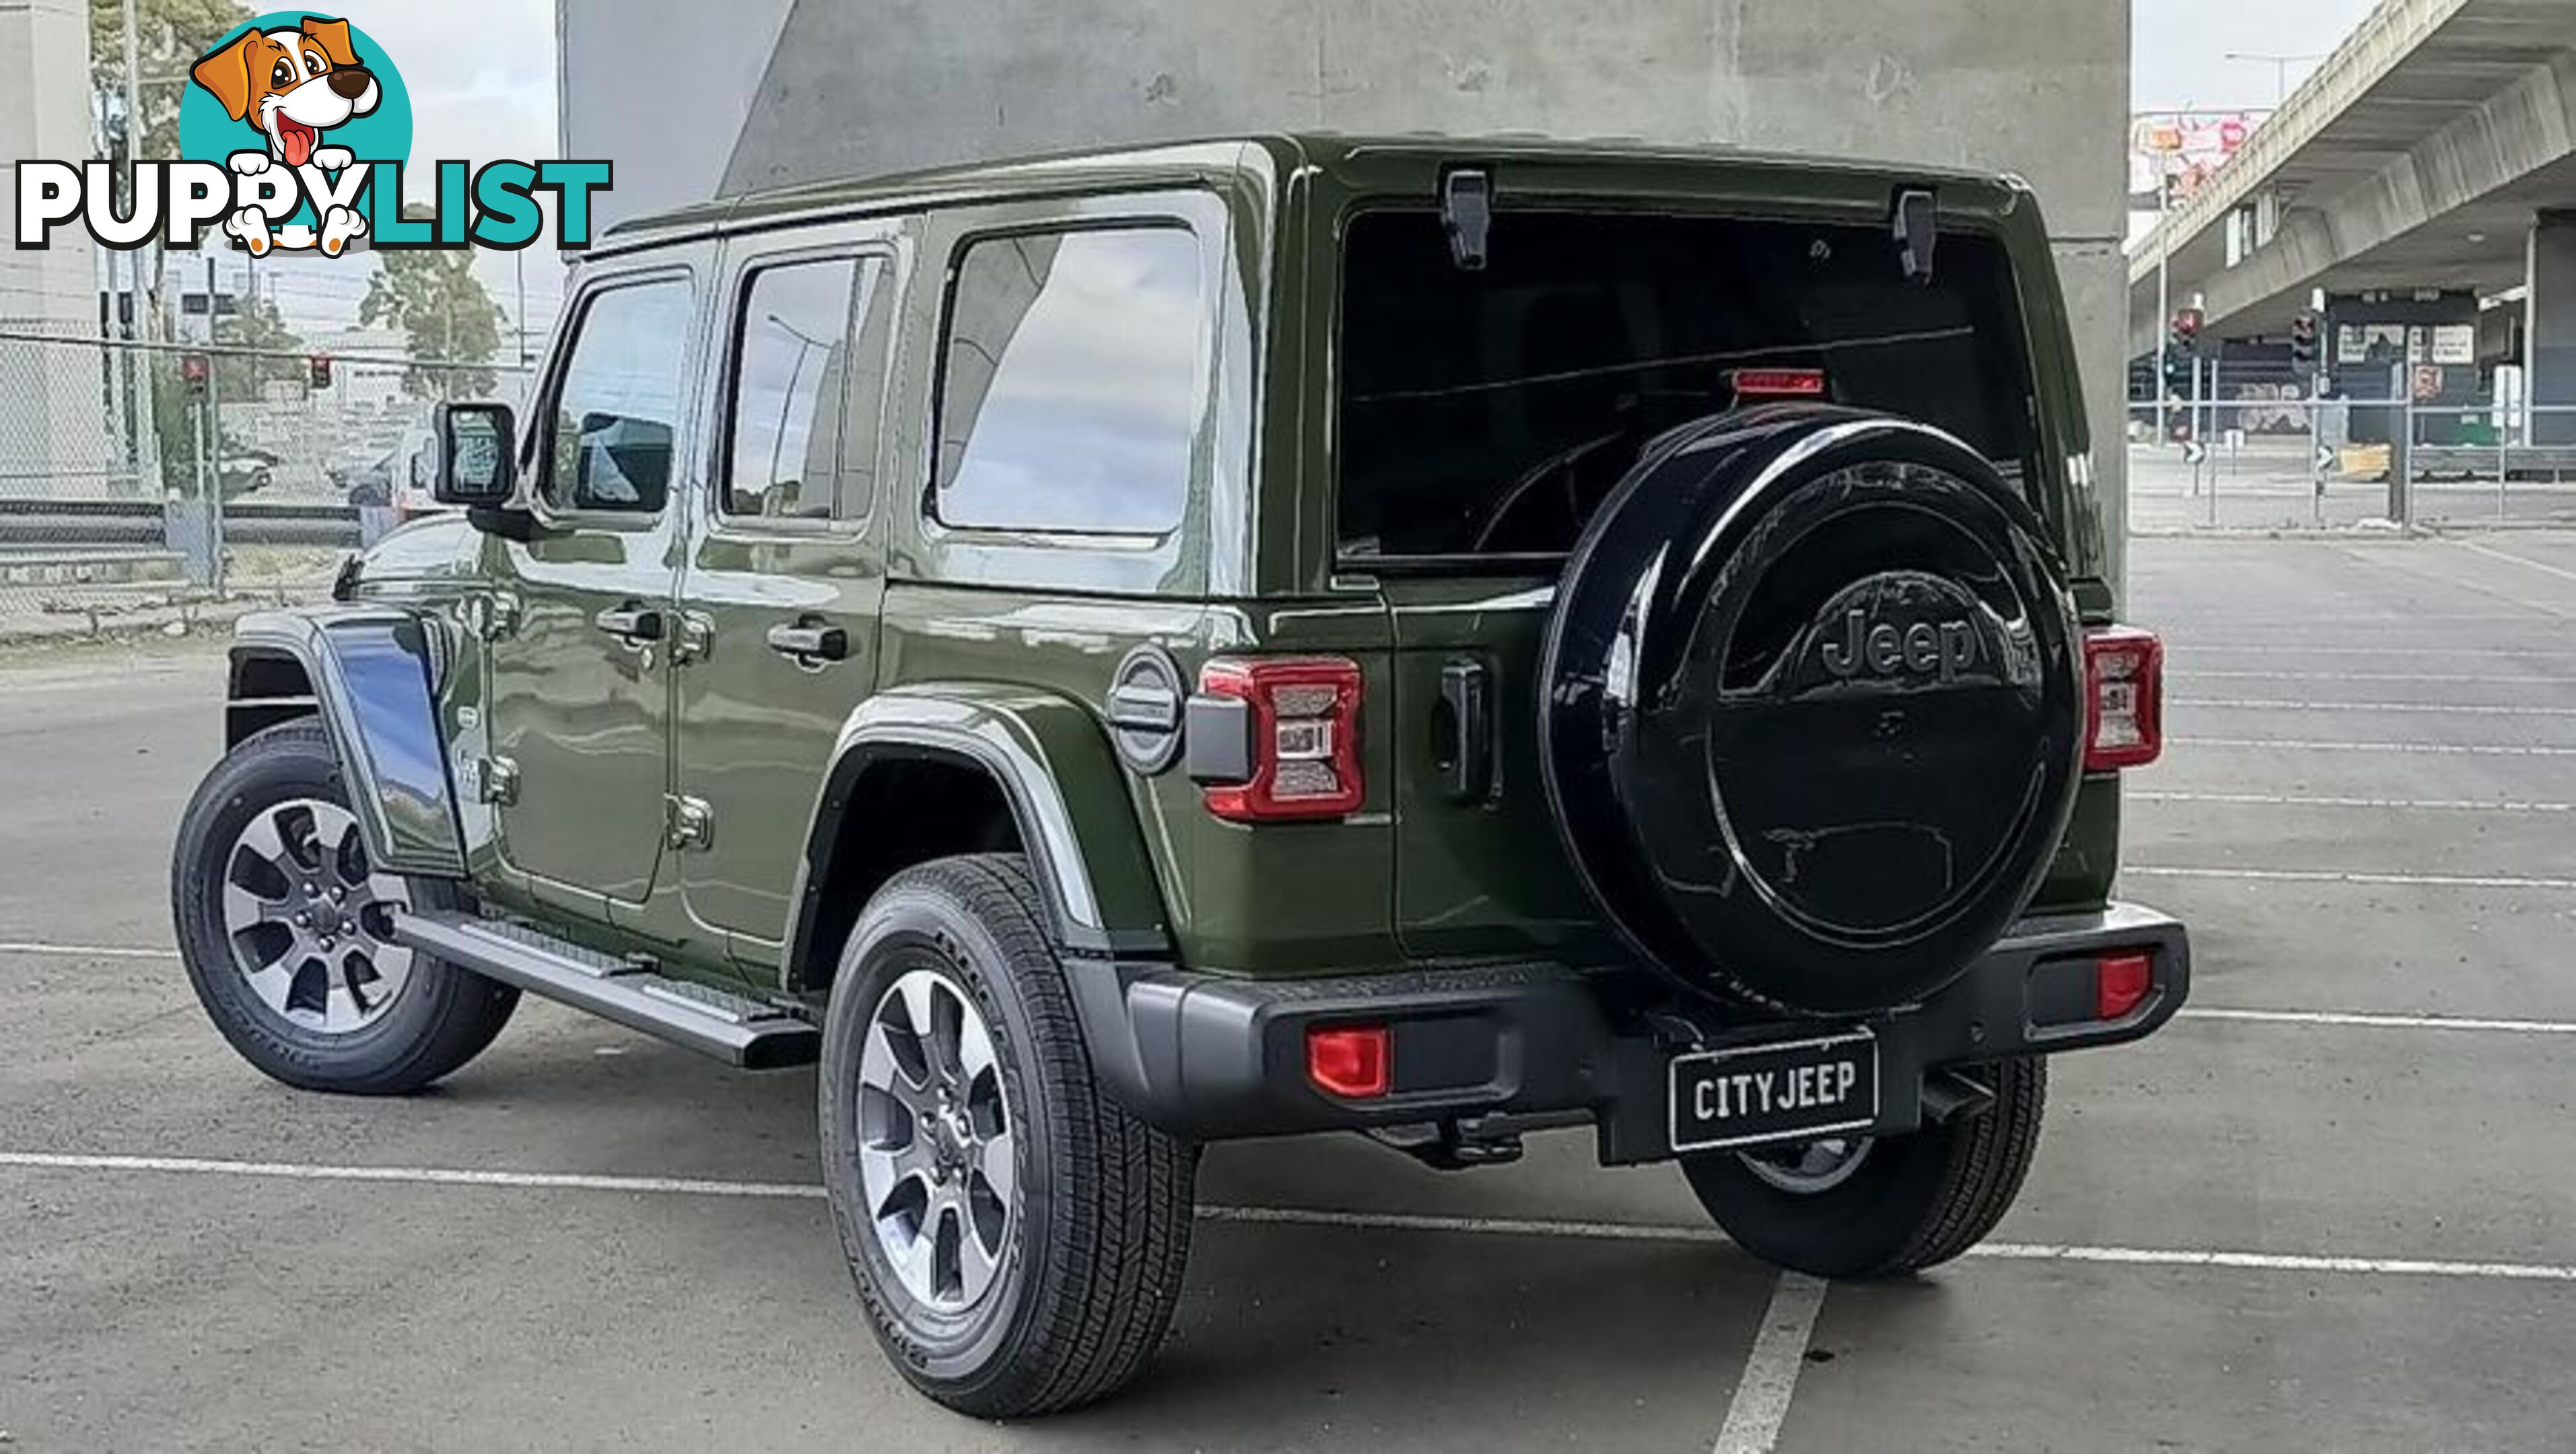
pixel 138 477
pixel 2327 463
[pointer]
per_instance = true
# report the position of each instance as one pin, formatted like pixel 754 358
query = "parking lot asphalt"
pixel 2330 1207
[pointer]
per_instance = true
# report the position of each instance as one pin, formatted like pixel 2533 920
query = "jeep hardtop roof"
pixel 1360 163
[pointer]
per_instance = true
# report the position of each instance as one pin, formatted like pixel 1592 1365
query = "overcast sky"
pixel 482 80
pixel 2179 48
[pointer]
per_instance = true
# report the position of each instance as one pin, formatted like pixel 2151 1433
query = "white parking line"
pixel 2490 551
pixel 2362 1021
pixel 2440 749
pixel 1761 1402
pixel 84 951
pixel 1289 1216
pixel 2453 652
pixel 2444 678
pixel 2384 805
pixel 2350 876
pixel 2446 709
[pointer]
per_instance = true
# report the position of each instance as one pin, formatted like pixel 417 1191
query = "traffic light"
pixel 2182 353
pixel 2303 342
pixel 194 370
pixel 320 365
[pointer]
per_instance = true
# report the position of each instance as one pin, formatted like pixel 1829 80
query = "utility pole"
pixel 138 322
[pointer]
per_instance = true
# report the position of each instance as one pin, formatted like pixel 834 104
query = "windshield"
pixel 1487 413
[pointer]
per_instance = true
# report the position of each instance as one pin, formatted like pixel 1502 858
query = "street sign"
pixel 2193 451
pixel 2326 458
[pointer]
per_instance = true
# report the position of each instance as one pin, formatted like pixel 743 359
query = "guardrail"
pixel 34 522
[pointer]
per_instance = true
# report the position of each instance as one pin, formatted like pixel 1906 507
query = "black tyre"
pixel 1882 1208
pixel 287 931
pixel 1017 1238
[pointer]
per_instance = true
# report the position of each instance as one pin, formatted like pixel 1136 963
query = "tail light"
pixel 2124 671
pixel 1290 750
pixel 1350 1062
pixel 1778 383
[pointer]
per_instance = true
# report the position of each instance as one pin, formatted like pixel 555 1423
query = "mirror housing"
pixel 478 449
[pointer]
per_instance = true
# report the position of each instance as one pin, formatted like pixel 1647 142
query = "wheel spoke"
pixel 262 837
pixel 997 1166
pixel 974 1050
pixel 884 1065
pixel 976 1263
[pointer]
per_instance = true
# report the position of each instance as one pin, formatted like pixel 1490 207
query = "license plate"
pixel 1792 1090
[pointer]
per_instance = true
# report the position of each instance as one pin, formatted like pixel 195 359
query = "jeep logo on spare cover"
pixel 1908 628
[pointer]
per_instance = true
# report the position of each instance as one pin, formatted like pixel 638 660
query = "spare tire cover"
pixel 1813 716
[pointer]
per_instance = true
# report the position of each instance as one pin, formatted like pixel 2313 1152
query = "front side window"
pixel 1070 392
pixel 791 353
pixel 617 414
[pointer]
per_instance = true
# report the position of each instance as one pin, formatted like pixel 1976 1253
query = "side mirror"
pixel 477 447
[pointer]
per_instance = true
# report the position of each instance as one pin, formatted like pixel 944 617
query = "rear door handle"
pixel 1463 746
pixel 632 622
pixel 810 643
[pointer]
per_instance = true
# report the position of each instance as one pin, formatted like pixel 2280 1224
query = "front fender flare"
pixel 1065 788
pixel 372 674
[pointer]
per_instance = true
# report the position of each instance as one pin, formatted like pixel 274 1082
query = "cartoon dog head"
pixel 291 85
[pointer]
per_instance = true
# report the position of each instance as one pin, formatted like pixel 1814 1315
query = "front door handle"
pixel 810 643
pixel 632 622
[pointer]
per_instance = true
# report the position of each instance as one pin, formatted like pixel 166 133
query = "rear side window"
pixel 617 413
pixel 1488 413
pixel 1070 390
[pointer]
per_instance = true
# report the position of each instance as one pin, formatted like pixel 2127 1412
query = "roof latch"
pixel 1467 214
pixel 1918 229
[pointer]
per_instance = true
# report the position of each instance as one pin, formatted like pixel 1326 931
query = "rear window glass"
pixel 1488 413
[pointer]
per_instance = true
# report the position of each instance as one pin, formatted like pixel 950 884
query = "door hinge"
pixel 496 781
pixel 687 822
pixel 490 615
pixel 696 639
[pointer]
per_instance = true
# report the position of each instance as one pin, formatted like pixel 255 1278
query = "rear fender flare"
pixel 371 674
pixel 1063 783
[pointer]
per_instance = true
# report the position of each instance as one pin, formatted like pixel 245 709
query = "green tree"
pixel 283 355
pixel 444 313
pixel 170 37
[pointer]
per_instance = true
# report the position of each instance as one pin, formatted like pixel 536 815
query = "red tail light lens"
pixel 2120 981
pixel 1778 383
pixel 2124 670
pixel 1350 1062
pixel 1305 757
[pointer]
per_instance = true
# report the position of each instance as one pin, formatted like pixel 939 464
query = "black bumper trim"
pixel 1213 1057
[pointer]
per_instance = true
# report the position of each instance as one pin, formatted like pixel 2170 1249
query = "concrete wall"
pixel 844 87
pixel 53 427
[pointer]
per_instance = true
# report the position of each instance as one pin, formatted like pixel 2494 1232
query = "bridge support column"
pixel 2550 327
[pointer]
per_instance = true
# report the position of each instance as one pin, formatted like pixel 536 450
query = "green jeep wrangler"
pixel 1437 639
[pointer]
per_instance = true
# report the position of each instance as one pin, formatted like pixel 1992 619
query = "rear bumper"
pixel 1216 1058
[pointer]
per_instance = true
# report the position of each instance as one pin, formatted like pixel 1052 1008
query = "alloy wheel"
pixel 309 923
pixel 937 1157
pixel 1809 1168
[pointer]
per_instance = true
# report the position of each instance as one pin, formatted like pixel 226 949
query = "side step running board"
pixel 710 1021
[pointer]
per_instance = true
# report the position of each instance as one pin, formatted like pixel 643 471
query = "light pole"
pixel 2280 65
pixel 805 343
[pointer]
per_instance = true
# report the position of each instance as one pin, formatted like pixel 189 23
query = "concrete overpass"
pixel 2435 149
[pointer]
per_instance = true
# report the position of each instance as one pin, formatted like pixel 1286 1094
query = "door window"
pixel 1070 392
pixel 792 352
pixel 617 413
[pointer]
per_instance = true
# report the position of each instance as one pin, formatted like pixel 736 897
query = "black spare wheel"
pixel 1813 722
